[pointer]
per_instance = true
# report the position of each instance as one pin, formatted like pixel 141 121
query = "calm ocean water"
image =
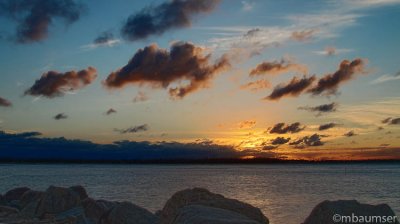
pixel 285 193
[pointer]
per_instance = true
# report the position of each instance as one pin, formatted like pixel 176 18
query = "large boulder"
pixel 15 194
pixel 199 196
pixel 29 197
pixel 96 209
pixel 8 210
pixel 3 201
pixel 29 203
pixel 56 200
pixel 128 213
pixel 199 214
pixel 81 191
pixel 331 212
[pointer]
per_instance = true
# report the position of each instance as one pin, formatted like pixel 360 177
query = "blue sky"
pixel 318 35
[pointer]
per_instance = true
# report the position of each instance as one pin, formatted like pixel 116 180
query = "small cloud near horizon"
pixel 134 129
pixel 60 116
pixel 111 111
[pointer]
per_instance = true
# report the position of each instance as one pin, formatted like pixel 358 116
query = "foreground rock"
pixel 128 213
pixel 199 214
pixel 332 212
pixel 60 205
pixel 214 208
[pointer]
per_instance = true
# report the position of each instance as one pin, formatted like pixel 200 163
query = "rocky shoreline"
pixel 72 205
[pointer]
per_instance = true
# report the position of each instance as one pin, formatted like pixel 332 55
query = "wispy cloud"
pixel 247 124
pixel 256 86
pixel 386 78
pixel 324 24
pixel 109 43
pixel 140 97
pixel 247 6
pixel 332 51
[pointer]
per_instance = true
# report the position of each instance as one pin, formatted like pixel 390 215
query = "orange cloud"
pixel 256 85
pixel 278 67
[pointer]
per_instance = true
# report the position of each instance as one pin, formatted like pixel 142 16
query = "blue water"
pixel 285 193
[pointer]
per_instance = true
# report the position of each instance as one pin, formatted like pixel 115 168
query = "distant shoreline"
pixel 196 161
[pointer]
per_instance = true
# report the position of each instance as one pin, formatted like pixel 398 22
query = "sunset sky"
pixel 284 79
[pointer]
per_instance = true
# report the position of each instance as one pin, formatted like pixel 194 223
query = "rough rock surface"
pixel 128 213
pixel 56 200
pixel 325 211
pixel 3 201
pixel 199 196
pixel 81 191
pixel 15 194
pixel 29 197
pixel 95 209
pixel 199 214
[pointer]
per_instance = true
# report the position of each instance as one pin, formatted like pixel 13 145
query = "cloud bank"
pixel 29 146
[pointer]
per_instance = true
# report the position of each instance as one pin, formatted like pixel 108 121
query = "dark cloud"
pixel 54 84
pixel 386 120
pixel 256 85
pixel 304 35
pixel 252 33
pixel 104 38
pixel 282 128
pixel 33 17
pixel 5 102
pixel 324 108
pixel 60 116
pixel 390 120
pixel 247 124
pixel 280 141
pixel 135 129
pixel 350 134
pixel 278 67
pixel 330 83
pixel 111 111
pixel 26 146
pixel 159 68
pixel 327 126
pixel 395 121
pixel 140 97
pixel 294 88
pixel 313 140
pixel 155 20
pixel 269 147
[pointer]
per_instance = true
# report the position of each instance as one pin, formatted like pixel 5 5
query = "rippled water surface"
pixel 285 193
